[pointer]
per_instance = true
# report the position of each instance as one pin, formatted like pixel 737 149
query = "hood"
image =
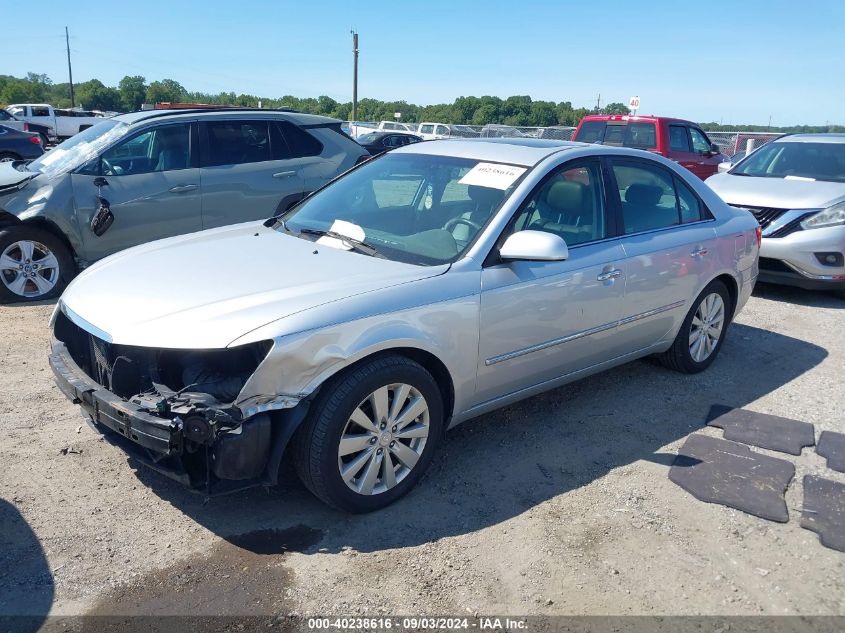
pixel 778 193
pixel 11 178
pixel 206 289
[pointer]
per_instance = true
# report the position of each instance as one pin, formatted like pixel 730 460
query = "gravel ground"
pixel 556 505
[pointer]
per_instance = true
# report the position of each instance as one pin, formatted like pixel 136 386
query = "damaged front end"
pixel 177 408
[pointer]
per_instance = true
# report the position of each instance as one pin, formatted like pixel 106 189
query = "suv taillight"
pixel 759 235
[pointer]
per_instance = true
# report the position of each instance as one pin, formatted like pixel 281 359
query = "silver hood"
pixel 206 289
pixel 11 178
pixel 779 193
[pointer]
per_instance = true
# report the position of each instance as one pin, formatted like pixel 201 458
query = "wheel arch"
pixel 733 290
pixel 8 220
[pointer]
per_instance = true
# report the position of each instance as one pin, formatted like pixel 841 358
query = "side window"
pixel 443 130
pixel 164 148
pixel 236 143
pixel 700 144
pixel 678 139
pixel 5 116
pixel 688 203
pixel 300 142
pixel 569 204
pixel 427 129
pixel 18 111
pixel 40 111
pixel 648 196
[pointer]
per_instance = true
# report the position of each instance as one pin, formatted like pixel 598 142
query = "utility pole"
pixel 354 75
pixel 69 71
pixel 598 103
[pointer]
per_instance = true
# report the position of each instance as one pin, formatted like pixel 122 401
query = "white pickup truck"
pixel 62 123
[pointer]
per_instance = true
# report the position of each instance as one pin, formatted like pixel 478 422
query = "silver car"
pixel 421 289
pixel 148 175
pixel 795 187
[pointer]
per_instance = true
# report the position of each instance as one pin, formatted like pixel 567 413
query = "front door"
pixel 544 319
pixel 153 190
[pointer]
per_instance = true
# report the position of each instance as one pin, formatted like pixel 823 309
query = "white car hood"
pixel 206 289
pixel 779 193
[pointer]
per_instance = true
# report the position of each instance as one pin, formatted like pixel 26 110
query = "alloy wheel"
pixel 29 269
pixel 706 327
pixel 383 439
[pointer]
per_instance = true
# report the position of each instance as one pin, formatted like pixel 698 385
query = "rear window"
pixel 300 142
pixel 636 134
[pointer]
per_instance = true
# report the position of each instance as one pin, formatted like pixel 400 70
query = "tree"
pixel 132 89
pixel 165 91
pixel 615 108
pixel 93 95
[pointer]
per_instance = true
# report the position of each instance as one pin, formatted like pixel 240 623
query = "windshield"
pixel 413 208
pixel 79 149
pixel 815 161
pixel 368 138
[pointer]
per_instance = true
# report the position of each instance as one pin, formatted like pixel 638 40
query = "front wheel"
pixel 34 264
pixel 371 434
pixel 702 332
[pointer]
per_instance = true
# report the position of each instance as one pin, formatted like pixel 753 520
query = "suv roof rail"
pixel 159 113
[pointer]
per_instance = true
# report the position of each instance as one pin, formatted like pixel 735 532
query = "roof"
pixel 634 117
pixel 191 113
pixel 519 151
pixel 828 137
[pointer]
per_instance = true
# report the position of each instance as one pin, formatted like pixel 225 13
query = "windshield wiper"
pixel 357 245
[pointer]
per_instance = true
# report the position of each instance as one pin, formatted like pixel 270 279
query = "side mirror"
pixel 721 168
pixel 534 246
pixel 715 148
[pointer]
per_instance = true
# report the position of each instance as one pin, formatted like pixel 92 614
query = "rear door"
pixel 670 244
pixel 153 189
pixel 246 170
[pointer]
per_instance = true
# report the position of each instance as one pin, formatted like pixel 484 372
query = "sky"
pixel 729 61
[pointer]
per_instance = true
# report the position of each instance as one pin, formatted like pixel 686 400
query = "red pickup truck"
pixel 682 141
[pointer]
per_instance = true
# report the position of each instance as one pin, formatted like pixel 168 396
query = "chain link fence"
pixel 729 142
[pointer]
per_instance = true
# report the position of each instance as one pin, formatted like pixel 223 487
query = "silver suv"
pixel 148 175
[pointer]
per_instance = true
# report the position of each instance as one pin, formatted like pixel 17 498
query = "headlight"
pixel 832 216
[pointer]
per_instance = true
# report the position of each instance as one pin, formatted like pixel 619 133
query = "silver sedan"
pixel 419 290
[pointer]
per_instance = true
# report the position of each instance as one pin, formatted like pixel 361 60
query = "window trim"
pixel 708 215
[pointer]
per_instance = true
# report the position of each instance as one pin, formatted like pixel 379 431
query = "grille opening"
pixel 128 370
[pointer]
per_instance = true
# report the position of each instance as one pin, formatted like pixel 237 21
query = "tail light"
pixel 759 232
pixel 35 140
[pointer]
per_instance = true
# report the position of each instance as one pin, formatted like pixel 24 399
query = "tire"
pixel 690 355
pixel 54 265
pixel 6 156
pixel 44 140
pixel 317 444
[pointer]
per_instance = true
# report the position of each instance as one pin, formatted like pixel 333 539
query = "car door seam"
pixel 577 335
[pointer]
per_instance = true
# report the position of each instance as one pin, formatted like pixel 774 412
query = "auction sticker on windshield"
pixel 492 175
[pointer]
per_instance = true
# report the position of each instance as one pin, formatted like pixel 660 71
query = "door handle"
pixel 610 274
pixel 284 174
pixel 699 252
pixel 182 188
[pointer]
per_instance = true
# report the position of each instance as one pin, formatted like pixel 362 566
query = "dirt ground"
pixel 559 504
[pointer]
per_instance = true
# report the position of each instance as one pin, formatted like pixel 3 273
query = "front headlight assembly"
pixel 832 216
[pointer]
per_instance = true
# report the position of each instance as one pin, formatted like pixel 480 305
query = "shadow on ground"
pixel 799 296
pixel 500 465
pixel 26 583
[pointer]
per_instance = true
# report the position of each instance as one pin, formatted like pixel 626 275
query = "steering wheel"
pixel 451 224
pixel 108 168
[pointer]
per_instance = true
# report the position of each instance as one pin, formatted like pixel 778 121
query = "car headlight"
pixel 832 216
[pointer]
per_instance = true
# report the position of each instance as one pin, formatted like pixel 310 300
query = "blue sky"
pixel 738 61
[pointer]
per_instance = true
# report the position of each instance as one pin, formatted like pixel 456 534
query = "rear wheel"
pixel 370 434
pixel 34 264
pixel 8 156
pixel 44 140
pixel 702 332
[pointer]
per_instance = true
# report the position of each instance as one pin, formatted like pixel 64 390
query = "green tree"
pixel 132 89
pixel 165 91
pixel 615 108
